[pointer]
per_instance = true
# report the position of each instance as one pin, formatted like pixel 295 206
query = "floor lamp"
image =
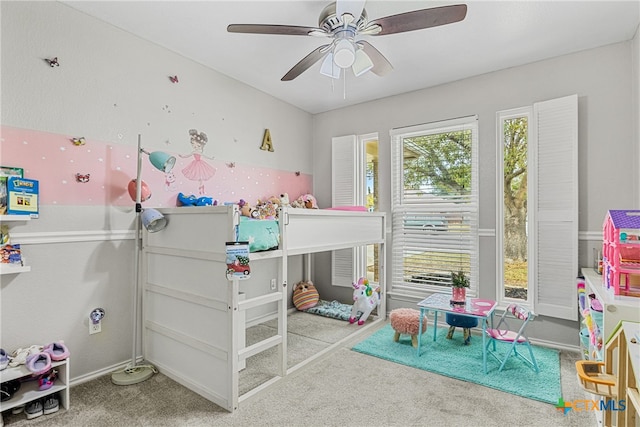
pixel 153 221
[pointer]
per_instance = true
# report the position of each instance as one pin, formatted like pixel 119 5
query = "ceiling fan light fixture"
pixel 362 63
pixel 328 68
pixel 344 54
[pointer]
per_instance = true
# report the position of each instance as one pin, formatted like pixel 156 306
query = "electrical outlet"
pixel 273 284
pixel 94 328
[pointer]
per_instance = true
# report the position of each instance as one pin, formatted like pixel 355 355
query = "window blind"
pixel 434 205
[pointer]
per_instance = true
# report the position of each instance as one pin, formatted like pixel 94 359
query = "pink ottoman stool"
pixel 406 321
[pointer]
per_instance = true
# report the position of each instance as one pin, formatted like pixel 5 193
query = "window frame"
pixel 501 117
pixel 552 206
pixel 399 209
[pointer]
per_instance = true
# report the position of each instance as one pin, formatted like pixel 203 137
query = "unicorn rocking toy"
pixel 365 299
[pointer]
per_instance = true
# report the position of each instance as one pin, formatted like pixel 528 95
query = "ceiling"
pixel 494 35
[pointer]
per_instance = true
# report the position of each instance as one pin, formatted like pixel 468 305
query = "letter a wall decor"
pixel 267 144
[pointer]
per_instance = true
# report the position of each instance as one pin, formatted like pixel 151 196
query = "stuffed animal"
pixel 305 295
pixel 306 201
pixel 195 201
pixel 284 199
pixel 310 201
pixel 247 210
pixel 365 299
pixel 266 210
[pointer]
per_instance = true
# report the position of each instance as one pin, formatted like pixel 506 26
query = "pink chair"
pixel 502 333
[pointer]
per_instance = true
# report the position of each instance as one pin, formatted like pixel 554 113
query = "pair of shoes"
pixel 17 410
pixel 46 381
pixel 45 406
pixel 57 350
pixel 4 359
pixel 8 389
pixel 39 363
pixel 19 356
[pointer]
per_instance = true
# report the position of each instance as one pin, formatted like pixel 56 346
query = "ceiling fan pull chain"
pixel 344 86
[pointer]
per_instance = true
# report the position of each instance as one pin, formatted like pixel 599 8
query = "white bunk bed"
pixel 193 315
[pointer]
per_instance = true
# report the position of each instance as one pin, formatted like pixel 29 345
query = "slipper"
pixel 39 363
pixel 57 350
pixel 46 381
pixel 19 356
pixel 4 359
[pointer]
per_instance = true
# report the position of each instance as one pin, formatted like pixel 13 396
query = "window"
pixel 513 218
pixel 355 182
pixel 546 163
pixel 434 205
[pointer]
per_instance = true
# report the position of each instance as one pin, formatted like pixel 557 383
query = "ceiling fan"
pixel 345 22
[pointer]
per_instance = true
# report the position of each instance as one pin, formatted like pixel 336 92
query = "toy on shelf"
pixel 184 200
pixel 621 252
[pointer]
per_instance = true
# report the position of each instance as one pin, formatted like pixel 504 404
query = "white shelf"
pixel 29 389
pixel 615 307
pixel 14 269
pixel 7 218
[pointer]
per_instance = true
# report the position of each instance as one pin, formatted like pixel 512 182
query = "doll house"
pixel 621 252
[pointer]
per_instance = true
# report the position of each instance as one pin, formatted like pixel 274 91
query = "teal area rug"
pixel 453 359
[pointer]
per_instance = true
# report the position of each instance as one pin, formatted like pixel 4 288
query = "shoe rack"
pixel 29 385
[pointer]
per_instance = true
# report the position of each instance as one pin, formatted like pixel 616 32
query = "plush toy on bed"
pixel 365 299
pixel 305 295
pixel 307 201
pixel 247 210
pixel 266 210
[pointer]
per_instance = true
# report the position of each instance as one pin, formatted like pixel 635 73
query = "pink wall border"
pixel 54 160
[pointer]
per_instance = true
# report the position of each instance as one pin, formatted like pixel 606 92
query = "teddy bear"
pixel 306 201
pixel 247 210
pixel 284 199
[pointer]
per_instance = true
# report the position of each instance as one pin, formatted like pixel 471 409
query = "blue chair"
pixel 502 333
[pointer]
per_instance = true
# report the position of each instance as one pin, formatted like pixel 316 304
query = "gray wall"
pixel 603 78
pixel 82 256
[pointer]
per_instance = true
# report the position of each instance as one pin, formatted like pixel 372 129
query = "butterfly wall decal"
pixel 83 177
pixel 78 141
pixel 53 62
pixel 297 173
pixel 231 164
pixel 174 79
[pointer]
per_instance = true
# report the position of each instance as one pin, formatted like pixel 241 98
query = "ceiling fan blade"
pixel 420 19
pixel 288 30
pixel 352 7
pixel 305 63
pixel 381 66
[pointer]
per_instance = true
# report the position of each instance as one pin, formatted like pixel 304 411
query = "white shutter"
pixel 555 207
pixel 347 176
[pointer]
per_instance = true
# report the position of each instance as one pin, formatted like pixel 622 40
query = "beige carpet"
pixel 342 388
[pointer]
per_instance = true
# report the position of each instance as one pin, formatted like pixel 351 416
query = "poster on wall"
pixel 22 196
